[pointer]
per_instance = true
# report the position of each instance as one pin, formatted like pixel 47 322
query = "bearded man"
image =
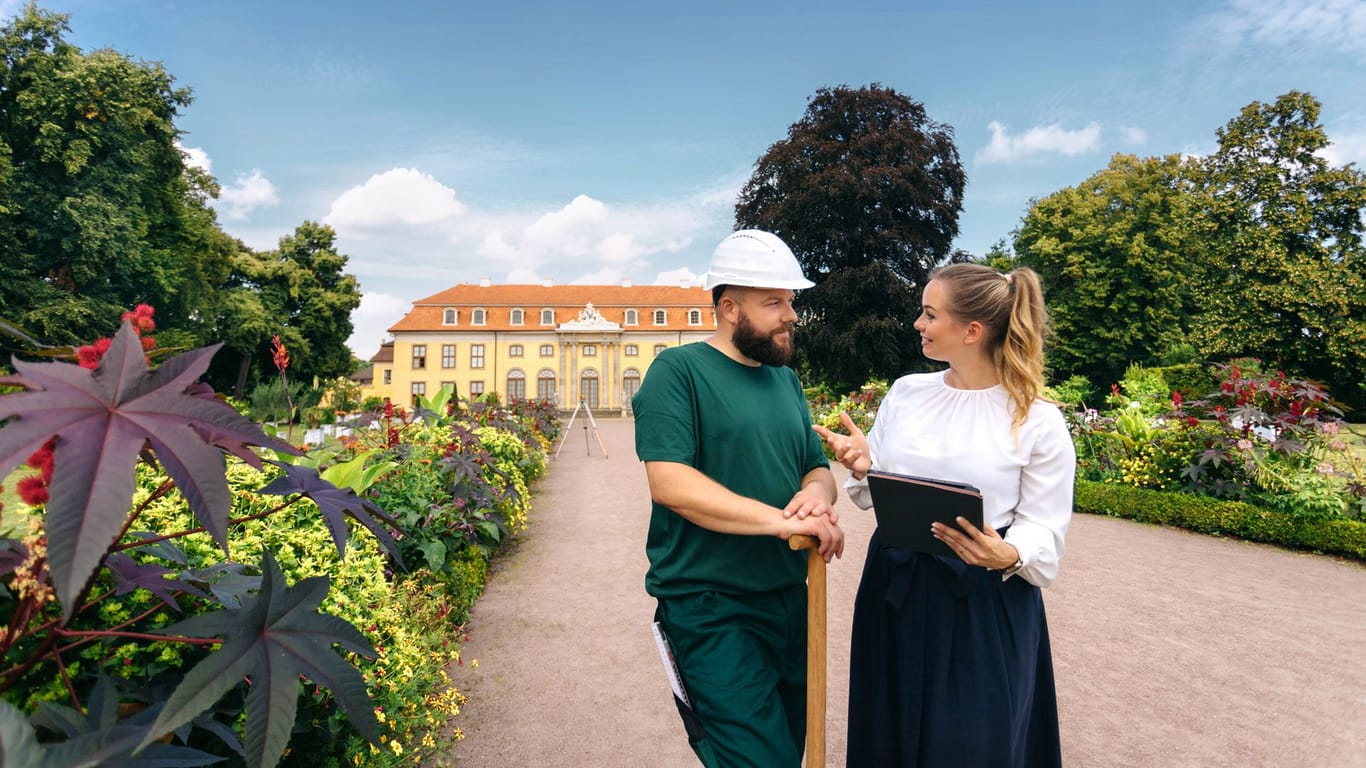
pixel 735 469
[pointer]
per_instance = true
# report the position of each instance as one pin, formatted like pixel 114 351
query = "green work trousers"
pixel 743 662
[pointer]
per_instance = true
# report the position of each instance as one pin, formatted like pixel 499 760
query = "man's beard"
pixel 763 349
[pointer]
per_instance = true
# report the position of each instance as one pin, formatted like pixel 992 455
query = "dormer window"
pixel 694 317
pixel 477 317
pixel 517 317
pixel 632 317
pixel 547 317
pixel 450 316
pixel 660 318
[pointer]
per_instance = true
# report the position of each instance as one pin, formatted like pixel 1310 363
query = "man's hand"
pixel 822 527
pixel 813 500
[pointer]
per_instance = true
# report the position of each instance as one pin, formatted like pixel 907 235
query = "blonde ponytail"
pixel 1011 308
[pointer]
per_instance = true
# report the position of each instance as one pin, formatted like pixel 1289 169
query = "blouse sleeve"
pixel 1045 506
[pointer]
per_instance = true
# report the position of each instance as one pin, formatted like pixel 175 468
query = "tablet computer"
pixel 905 505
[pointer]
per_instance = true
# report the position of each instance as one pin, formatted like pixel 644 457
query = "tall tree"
pixel 299 292
pixel 1283 274
pixel 866 189
pixel 1111 253
pixel 98 209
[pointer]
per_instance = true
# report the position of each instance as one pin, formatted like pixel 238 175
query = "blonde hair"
pixel 1011 309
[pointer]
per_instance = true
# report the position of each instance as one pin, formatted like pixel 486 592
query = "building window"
pixel 632 317
pixel 447 355
pixel 478 316
pixel 545 385
pixel 476 389
pixel 518 317
pixel 388 376
pixel 590 350
pixel 632 350
pixel 476 356
pixel 419 356
pixel 448 386
pixel 515 350
pixel 694 317
pixel 516 385
pixel 658 348
pixel 547 350
pixel 588 387
pixel 547 317
pixel 449 317
pixel 419 389
pixel 630 383
pixel 660 319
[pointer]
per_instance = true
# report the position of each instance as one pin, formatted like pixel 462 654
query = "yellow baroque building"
pixel 564 343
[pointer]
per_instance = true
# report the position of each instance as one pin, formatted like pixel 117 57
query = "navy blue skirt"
pixel 949 666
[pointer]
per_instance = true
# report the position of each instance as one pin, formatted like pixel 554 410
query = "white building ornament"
pixel 590 319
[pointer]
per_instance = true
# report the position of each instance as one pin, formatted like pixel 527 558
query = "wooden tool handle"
pixel 815 648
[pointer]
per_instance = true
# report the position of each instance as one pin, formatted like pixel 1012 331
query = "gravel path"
pixel 1171 649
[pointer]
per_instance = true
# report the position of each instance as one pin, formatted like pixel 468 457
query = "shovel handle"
pixel 815 648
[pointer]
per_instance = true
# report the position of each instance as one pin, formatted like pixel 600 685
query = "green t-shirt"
pixel 749 429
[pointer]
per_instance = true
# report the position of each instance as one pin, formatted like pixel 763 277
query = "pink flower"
pixel 1244 445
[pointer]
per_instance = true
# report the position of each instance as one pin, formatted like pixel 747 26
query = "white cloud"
pixel 10 8
pixel 249 192
pixel 604 276
pixel 1347 147
pixel 680 276
pixel 1037 142
pixel 1323 26
pixel 196 157
pixel 371 320
pixel 401 196
pixel 1134 136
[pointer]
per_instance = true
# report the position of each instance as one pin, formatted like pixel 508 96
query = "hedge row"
pixel 1334 536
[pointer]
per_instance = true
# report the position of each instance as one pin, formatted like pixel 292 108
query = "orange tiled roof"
pixel 611 301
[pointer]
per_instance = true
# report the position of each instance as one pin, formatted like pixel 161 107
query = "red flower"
pixel 141 319
pixel 89 356
pixel 280 353
pixel 147 343
pixel 33 490
pixel 41 459
pixel 1176 399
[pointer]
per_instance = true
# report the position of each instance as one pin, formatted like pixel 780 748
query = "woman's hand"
pixel 851 450
pixel 974 546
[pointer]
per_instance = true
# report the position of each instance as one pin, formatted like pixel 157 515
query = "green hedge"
pixel 1336 536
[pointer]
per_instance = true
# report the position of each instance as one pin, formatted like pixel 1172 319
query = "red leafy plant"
pixel 85 428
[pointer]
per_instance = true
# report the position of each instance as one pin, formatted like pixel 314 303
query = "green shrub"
pixel 1076 391
pixel 1204 514
pixel 1192 380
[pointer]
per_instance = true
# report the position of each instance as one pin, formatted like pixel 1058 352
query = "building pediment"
pixel 589 321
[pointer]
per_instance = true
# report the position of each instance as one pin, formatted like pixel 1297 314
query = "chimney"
pixel 547 283
pixel 625 283
pixel 484 282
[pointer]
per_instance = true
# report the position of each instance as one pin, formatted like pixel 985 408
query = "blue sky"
pixel 601 141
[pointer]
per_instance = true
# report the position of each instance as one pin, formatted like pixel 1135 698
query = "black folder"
pixel 905 505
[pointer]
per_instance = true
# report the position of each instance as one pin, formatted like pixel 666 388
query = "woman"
pixel 950 660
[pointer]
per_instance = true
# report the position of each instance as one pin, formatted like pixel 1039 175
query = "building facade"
pixel 569 343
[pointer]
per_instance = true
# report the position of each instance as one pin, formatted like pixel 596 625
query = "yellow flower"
pixel 394 745
pixel 474 663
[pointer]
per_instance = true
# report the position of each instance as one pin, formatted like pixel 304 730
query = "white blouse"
pixel 925 427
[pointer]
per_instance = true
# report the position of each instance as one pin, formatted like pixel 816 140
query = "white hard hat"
pixel 755 259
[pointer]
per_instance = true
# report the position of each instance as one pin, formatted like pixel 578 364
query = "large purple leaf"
pixel 129 575
pixel 335 503
pixel 276 636
pixel 102 420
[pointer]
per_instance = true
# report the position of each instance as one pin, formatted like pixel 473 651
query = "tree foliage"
pixel 1282 273
pixel 866 190
pixel 1111 254
pixel 298 291
pixel 98 210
